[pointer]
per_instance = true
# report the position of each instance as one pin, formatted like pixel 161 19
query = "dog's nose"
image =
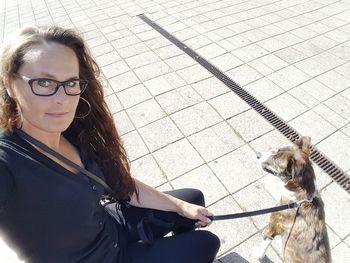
pixel 258 155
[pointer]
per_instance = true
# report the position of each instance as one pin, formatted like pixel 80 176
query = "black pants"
pixel 185 246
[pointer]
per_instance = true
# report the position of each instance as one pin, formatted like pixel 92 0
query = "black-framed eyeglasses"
pixel 48 87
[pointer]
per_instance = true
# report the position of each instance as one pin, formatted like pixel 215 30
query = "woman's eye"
pixel 45 83
pixel 71 84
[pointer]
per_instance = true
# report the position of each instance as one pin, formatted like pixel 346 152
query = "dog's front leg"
pixel 273 229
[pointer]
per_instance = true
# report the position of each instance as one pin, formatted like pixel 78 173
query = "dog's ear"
pixel 295 167
pixel 304 144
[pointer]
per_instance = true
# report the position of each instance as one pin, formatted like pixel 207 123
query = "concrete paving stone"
pixel 147 35
pixel 134 95
pixel 175 27
pixel 147 171
pixel 270 141
pixel 209 144
pixel 123 81
pixel 202 178
pixel 142 59
pixel 340 105
pixel 102 49
pixel 197 42
pixel 317 90
pixel 196 118
pixel 186 33
pixel 145 113
pixel 342 51
pixel 227 45
pixel 330 115
pixel 271 44
pixel 157 43
pixel 290 55
pixel 178 158
pixel 347 241
pixel 184 97
pixel 311 67
pixel 278 106
pixel 260 67
pixel 344 70
pixel 211 51
pixel 255 51
pixel 273 61
pixel 152 70
pixel 227 135
pixel 159 85
pixel 255 197
pixel 341 253
pixel 241 27
pixel 231 233
pixel 304 97
pixel 337 147
pixel 293 75
pixel 319 27
pixel 286 24
pixel 239 41
pixel 250 125
pixel 228 105
pixel 334 80
pixel 263 89
pixel 324 42
pixel 272 30
pixel 97 40
pixel 243 74
pixel 123 123
pixel 346 129
pixel 134 145
pixel 308 49
pixel 210 88
pixel 108 58
pixel 255 35
pixel 313 125
pixel 289 39
pixel 346 93
pixel 125 41
pixel 226 62
pixel 243 252
pixel 194 74
pixel 160 133
pixel 329 60
pixel 113 103
pixel 180 62
pixel 237 169
pixel 115 69
pixel 168 52
pixel 133 50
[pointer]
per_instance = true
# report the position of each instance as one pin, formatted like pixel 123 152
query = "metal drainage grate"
pixel 336 173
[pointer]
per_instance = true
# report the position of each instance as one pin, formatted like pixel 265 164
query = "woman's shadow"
pixel 236 258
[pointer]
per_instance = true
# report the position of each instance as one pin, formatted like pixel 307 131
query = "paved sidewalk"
pixel 184 128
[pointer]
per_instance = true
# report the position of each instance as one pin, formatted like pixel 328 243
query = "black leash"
pixel 258 212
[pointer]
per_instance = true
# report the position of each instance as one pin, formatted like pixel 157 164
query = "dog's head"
pixel 290 164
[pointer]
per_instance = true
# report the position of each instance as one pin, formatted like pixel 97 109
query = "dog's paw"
pixel 258 253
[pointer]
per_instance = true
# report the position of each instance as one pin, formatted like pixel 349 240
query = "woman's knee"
pixel 190 195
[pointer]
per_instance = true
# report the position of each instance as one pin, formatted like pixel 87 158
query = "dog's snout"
pixel 258 155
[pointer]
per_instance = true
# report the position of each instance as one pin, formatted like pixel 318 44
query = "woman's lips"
pixel 57 114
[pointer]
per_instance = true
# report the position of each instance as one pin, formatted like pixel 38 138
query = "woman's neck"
pixel 51 139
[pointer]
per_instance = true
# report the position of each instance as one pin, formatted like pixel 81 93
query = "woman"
pixel 49 211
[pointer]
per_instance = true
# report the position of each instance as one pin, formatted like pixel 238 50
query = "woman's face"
pixel 52 114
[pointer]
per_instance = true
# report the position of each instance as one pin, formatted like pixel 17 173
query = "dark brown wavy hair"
pixel 96 133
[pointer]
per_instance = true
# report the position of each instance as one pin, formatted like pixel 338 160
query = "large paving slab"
pixel 183 128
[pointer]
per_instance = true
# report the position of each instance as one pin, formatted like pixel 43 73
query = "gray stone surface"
pixel 182 127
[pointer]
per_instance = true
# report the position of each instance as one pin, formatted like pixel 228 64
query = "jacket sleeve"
pixel 6 186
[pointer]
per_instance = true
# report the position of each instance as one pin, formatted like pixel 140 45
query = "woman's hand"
pixel 195 212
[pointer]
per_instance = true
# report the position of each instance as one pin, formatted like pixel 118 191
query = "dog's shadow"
pixel 236 258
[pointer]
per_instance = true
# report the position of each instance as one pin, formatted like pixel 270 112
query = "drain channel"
pixel 335 172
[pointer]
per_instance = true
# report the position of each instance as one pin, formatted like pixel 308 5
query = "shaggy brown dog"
pixel 303 230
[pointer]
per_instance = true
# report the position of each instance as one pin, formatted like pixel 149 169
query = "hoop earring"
pixel 83 116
